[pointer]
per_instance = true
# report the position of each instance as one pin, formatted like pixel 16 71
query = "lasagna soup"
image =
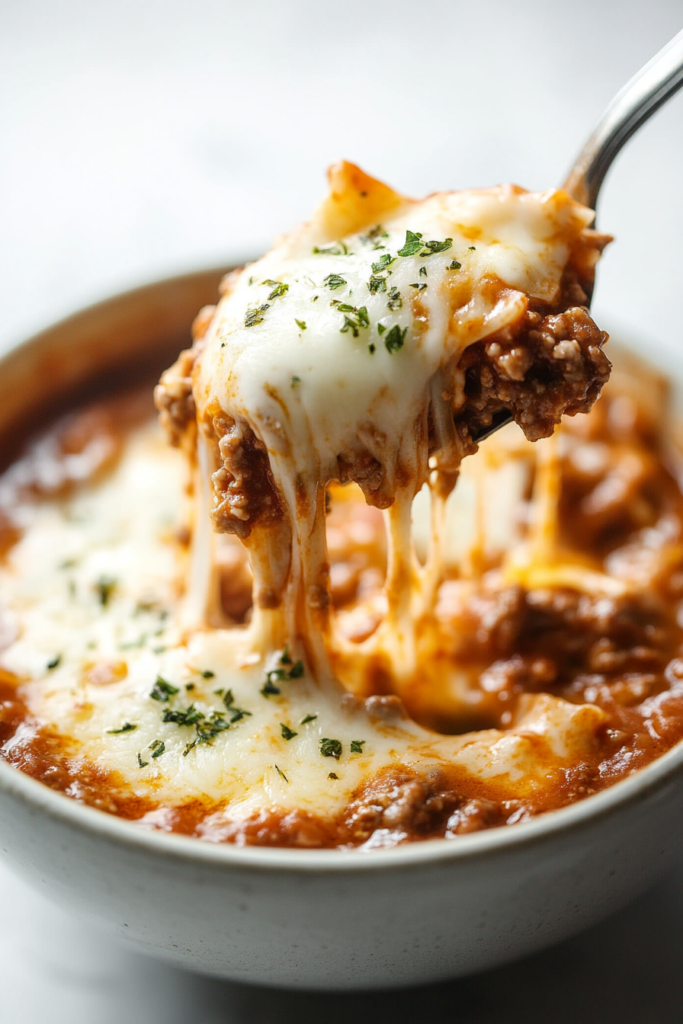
pixel 317 606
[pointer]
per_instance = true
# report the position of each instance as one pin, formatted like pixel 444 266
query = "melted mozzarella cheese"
pixel 308 374
pixel 120 532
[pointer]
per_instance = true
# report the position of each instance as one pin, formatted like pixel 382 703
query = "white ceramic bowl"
pixel 325 918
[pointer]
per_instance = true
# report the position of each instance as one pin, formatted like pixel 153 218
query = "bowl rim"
pixel 644 783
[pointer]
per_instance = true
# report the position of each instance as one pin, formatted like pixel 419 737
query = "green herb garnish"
pixel 395 300
pixel 236 714
pixel 413 243
pixel 333 775
pixel 255 316
pixel 377 284
pixel 381 328
pixel 269 689
pixel 307 719
pixel 183 716
pixel 423 271
pixel 419 287
pixel 395 338
pixel 334 281
pixel 295 382
pixel 207 674
pixel 356 321
pixel 54 662
pixel 431 248
pixel 331 748
pixel 162 690
pixel 383 263
pixel 338 249
pixel 141 763
pixel 287 733
pixel 280 773
pixel 278 289
pixel 374 235
pixel 454 265
pixel 126 727
pixel 357 746
pixel 301 324
pixel 157 747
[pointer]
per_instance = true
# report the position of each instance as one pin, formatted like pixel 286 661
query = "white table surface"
pixel 141 138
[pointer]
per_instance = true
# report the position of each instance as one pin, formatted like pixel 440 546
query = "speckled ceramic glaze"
pixel 324 918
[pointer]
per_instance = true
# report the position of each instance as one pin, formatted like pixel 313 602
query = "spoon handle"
pixel 645 93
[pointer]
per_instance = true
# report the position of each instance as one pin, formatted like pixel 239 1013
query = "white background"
pixel 141 138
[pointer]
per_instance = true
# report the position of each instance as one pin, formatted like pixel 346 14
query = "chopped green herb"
pixel 374 235
pixel 285 658
pixel 423 271
pixel 54 662
pixel 287 733
pixel 419 287
pixel 413 244
pixel 126 727
pixel 183 716
pixel 301 324
pixel 157 747
pixel 236 714
pixel 210 727
pixel 395 300
pixel 141 763
pixel 371 348
pixel 335 281
pixel 472 248
pixel 331 748
pixel 383 263
pixel 278 289
pixel 359 318
pixel 105 587
pixel 454 265
pixel 338 249
pixel 269 689
pixel 255 316
pixel 381 328
pixel 162 690
pixel 207 674
pixel 377 284
pixel 307 719
pixel 189 686
pixel 280 773
pixel 395 338
pixel 431 248
pixel 297 670
pixel 295 382
pixel 357 746
pixel 333 775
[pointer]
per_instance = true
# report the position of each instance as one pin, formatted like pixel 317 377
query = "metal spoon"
pixel 645 93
